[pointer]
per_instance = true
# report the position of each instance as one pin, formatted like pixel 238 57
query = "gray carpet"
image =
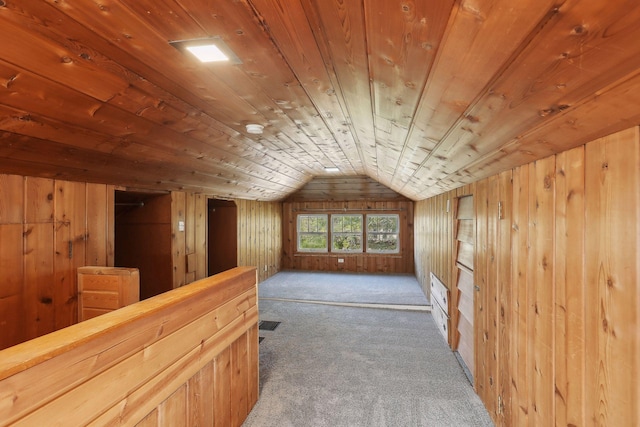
pixel 344 287
pixel 341 366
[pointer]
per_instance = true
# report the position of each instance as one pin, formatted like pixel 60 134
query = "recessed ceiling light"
pixel 207 53
pixel 207 50
pixel 331 169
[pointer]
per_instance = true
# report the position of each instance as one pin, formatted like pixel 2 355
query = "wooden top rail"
pixel 109 357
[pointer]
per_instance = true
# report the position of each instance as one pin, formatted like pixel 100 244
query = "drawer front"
pixel 439 294
pixel 442 320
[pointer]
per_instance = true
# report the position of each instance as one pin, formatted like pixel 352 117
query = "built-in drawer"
pixel 441 319
pixel 439 294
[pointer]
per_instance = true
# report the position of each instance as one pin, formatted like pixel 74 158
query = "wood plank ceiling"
pixel 421 96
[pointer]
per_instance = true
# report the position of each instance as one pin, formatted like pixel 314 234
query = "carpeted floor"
pixel 340 366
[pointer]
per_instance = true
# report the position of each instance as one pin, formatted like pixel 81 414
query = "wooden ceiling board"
pixel 266 82
pixel 289 29
pixel 481 36
pixel 403 39
pixel 541 82
pixel 348 188
pixel 421 97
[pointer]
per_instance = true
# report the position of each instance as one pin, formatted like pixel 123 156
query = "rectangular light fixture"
pixel 331 169
pixel 208 53
pixel 207 50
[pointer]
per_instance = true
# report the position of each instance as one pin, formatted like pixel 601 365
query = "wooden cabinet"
pixel 440 306
pixel 104 289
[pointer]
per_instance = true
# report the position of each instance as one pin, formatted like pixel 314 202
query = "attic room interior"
pixel 490 148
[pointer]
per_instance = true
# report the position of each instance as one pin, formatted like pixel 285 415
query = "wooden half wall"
pixel 353 262
pixel 188 357
pixel 557 265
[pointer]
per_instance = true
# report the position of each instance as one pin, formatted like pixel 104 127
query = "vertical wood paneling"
pixel 239 380
pixel 519 369
pixel 173 411
pixel 200 397
pixel 11 199
pixel 481 373
pixel 260 236
pixel 612 200
pixel 542 211
pixel 201 236
pixel 569 299
pixel 111 223
pixel 222 391
pixel 97 225
pixel 253 364
pixel 190 223
pixel 39 282
pixel 70 214
pixel 11 293
pixel 53 217
pixel 360 262
pixel 491 292
pixel 178 238
pixel 505 198
pixel 558 307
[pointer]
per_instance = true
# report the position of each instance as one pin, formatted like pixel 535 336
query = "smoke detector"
pixel 255 129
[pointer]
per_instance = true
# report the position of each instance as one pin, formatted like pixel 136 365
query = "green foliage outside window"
pixel 346 233
pixel 312 233
pixel 382 233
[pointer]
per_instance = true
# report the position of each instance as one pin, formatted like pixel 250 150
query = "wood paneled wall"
pixel 434 237
pixel 362 262
pixel 188 357
pixel 188 237
pixel 48 228
pixel 557 263
pixel 260 236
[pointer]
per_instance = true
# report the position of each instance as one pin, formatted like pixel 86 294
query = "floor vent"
pixel 268 325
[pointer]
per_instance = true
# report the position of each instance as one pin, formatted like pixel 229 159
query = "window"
pixel 382 233
pixel 346 233
pixel 312 233
pixel 349 233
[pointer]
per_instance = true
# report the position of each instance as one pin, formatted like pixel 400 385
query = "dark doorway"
pixel 143 239
pixel 223 235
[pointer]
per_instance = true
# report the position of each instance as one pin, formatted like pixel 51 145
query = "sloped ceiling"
pixel 420 96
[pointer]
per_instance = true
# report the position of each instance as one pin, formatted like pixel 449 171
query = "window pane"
pixel 382 242
pixel 346 233
pixel 382 223
pixel 313 241
pixel 346 223
pixel 347 242
pixel 313 233
pixel 383 233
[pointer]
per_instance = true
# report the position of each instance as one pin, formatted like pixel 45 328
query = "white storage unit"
pixel 440 305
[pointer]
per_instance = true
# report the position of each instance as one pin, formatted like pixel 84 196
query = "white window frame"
pixel 335 234
pixel 368 233
pixel 301 233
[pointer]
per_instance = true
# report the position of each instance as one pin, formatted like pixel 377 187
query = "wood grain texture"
pixel 353 262
pixel 611 260
pixel 154 349
pixel 55 216
pixel 255 247
pixel 420 97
